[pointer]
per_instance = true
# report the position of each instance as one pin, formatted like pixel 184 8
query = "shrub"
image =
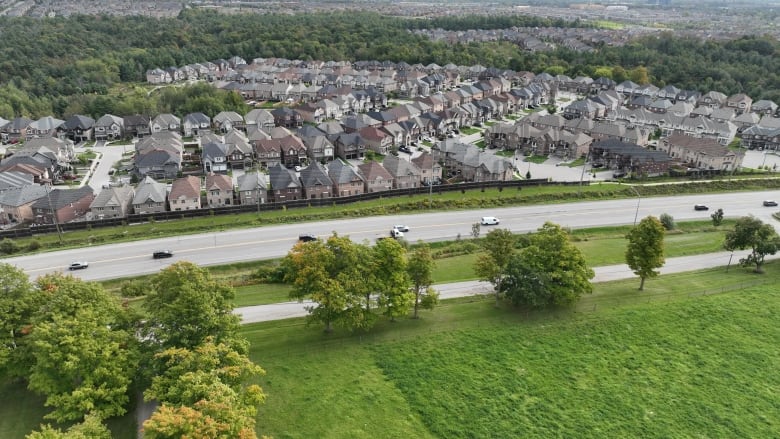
pixel 134 288
pixel 8 246
pixel 34 245
pixel 667 221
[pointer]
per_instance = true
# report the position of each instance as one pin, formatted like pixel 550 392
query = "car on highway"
pixel 395 233
pixel 700 207
pixel 401 228
pixel 489 221
pixel 307 237
pixel 161 254
pixel 770 203
pixel 78 265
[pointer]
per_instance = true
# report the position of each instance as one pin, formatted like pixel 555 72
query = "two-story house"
pixel 112 202
pixel 185 194
pixel 219 190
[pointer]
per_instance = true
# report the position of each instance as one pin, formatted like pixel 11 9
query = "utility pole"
pixel 53 213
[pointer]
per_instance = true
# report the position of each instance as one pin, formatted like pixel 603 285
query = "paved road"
pixel 134 258
pixel 288 310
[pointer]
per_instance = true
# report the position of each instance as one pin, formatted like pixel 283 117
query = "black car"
pixel 160 254
pixel 770 203
pixel 307 238
pixel 700 207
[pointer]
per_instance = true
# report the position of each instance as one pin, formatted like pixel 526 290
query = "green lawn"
pixel 536 159
pixel 469 369
pixel 658 365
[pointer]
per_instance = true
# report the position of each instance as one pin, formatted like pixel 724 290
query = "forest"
pixel 90 64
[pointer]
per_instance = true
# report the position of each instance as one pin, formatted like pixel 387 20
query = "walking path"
pixel 287 310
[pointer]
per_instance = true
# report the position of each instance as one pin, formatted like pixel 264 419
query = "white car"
pixel 395 233
pixel 78 265
pixel 489 221
pixel 401 228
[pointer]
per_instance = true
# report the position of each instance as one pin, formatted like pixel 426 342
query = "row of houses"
pixel 22 200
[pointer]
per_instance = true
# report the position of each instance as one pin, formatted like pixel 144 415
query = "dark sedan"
pixel 160 254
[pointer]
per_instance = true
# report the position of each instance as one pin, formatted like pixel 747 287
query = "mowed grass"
pixel 692 366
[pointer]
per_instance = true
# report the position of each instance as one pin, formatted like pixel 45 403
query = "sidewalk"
pixel 288 310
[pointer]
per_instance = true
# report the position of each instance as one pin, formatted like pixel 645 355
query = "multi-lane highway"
pixel 134 258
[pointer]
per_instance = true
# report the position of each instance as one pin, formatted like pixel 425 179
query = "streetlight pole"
pixel 638 200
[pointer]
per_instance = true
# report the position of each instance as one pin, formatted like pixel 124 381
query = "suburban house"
pixel 315 182
pixel 226 121
pixel 375 176
pixel 78 128
pixel 16 203
pixel 150 196
pixel 219 190
pixel 62 205
pixel 214 158
pixel 138 125
pixel 405 173
pixel 109 127
pixel 430 170
pixel 346 180
pixel 701 153
pixel 252 188
pixel 630 158
pixel 195 124
pixel 185 194
pixel 113 202
pixel 284 184
pixel 376 139
pixel 166 122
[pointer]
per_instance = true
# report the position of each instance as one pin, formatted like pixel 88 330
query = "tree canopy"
pixel 645 251
pixel 547 271
pixel 751 233
pixel 90 64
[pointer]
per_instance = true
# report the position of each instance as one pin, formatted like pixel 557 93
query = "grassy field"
pixel 657 366
pixel 692 355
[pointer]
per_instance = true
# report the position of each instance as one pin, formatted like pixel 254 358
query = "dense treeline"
pixel 65 65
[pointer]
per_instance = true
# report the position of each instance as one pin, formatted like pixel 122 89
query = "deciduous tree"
pixel 391 278
pixel 420 270
pixel 91 428
pixel 645 252
pixel 549 271
pixel 751 233
pixel 186 305
pixel 83 359
pixel 18 302
pixel 311 267
pixel 499 246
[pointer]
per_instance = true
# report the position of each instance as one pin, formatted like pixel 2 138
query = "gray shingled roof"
pixel 62 197
pixel 20 196
pixel 150 190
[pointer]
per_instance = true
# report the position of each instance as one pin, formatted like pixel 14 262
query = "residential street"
pixel 287 310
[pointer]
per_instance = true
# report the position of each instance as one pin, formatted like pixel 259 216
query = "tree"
pixel 645 250
pixel 717 217
pixel 549 271
pixel 91 428
pixel 392 281
pixel 475 230
pixel 420 269
pixel 499 246
pixel 18 302
pixel 667 221
pixel 187 374
pixel 83 357
pixel 313 270
pixel 203 393
pixel 185 306
pixel 751 233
